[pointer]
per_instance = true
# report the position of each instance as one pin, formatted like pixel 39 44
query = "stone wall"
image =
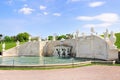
pixel 29 49
pixel 91 47
pixel 86 47
pixel 10 52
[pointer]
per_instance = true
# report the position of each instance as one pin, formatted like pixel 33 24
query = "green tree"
pixel 117 40
pixel 60 37
pixel 7 39
pixel 50 37
pixel 69 36
pixel 0 37
pixel 23 37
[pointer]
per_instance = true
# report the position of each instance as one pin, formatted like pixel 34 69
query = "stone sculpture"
pixel 17 43
pixel 29 38
pixel 106 35
pixel 112 39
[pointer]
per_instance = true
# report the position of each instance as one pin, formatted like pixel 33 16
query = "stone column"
pixel 3 47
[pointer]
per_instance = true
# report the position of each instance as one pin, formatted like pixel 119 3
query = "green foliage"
pixel 8 45
pixel 60 37
pixel 50 37
pixel 117 40
pixel 117 43
pixel 10 38
pixel 69 36
pixel 23 37
pixel 7 39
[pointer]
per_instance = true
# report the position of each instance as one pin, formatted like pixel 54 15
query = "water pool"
pixel 37 60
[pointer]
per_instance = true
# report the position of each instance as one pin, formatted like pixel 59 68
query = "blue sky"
pixel 48 17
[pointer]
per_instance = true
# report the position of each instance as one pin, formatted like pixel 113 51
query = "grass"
pixel 9 45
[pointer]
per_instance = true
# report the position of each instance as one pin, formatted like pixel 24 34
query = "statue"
pixel 54 38
pixel 106 35
pixel 17 43
pixel 112 39
pixel 3 47
pixel 73 35
pixel 39 39
pixel 77 34
pixel 83 35
pixel 29 38
pixel 92 30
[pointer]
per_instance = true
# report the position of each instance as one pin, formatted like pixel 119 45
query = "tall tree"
pixel 22 37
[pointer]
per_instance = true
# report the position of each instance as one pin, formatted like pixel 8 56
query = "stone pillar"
pixel 3 47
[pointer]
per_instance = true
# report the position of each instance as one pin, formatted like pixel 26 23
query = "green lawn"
pixel 9 45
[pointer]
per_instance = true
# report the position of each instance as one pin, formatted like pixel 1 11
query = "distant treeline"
pixel 22 37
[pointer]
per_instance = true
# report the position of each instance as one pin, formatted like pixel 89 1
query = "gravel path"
pixel 96 72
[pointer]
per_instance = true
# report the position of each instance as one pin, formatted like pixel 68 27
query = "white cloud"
pixel 98 25
pixel 26 10
pixel 107 19
pixel 42 7
pixel 96 4
pixel 45 13
pixel 85 18
pixel 56 14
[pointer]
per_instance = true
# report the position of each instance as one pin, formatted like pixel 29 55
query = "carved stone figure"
pixel 77 34
pixel 92 30
pixel 106 35
pixel 74 35
pixel 17 43
pixel 29 38
pixel 83 35
pixel 112 39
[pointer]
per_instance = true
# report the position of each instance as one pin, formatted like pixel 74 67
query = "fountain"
pixel 85 46
pixel 62 51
